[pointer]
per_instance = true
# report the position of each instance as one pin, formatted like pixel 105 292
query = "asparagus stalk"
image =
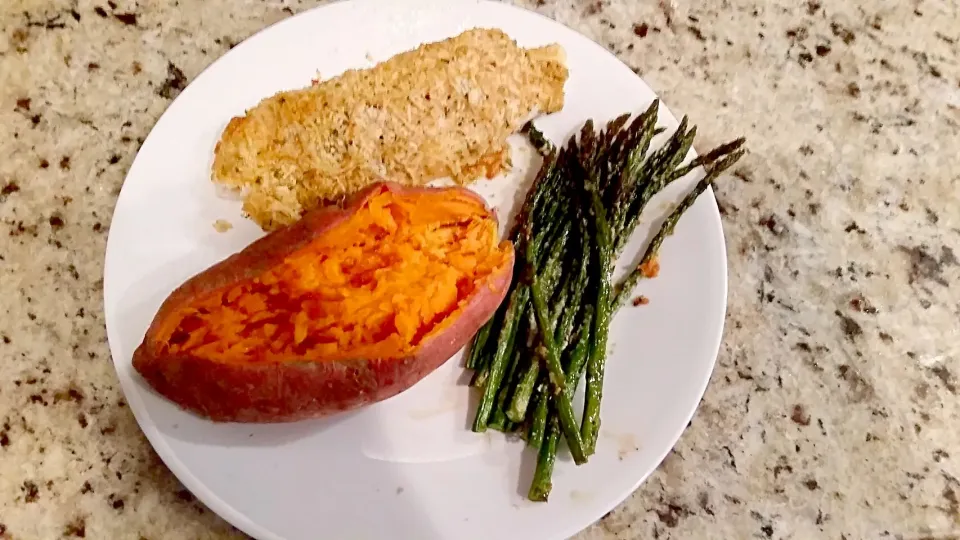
pixel 476 356
pixel 498 365
pixel 524 390
pixel 541 485
pixel 480 376
pixel 523 235
pixel 630 178
pixel 499 419
pixel 654 169
pixel 543 475
pixel 596 364
pixel 627 285
pixel 538 424
pixel 711 157
pixel 534 196
pixel 538 139
pixel 568 421
pixel 551 276
pixel 578 357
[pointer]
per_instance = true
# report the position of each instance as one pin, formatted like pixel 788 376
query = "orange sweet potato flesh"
pixel 348 306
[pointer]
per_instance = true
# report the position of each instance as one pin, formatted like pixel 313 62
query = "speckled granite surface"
pixel 834 411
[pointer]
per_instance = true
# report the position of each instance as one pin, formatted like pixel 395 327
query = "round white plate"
pixel 408 467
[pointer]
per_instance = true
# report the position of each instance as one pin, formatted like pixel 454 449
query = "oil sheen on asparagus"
pixel 552 331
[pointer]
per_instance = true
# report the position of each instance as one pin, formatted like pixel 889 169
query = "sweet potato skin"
pixel 296 390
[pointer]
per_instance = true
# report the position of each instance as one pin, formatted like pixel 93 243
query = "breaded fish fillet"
pixel 443 109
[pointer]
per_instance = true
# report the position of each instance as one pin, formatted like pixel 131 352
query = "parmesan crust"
pixel 444 109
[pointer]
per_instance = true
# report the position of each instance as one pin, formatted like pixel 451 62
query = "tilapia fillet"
pixel 443 109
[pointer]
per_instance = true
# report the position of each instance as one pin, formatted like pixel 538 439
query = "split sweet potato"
pixel 348 306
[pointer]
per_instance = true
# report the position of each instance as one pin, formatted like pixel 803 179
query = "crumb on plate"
pixel 651 268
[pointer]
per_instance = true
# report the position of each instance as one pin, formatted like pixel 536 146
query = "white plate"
pixel 408 467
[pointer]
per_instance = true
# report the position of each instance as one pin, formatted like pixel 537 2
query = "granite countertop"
pixel 834 409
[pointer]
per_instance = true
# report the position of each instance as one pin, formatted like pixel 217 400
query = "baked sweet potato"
pixel 348 306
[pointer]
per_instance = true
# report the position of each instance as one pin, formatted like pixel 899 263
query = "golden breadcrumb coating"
pixel 444 109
